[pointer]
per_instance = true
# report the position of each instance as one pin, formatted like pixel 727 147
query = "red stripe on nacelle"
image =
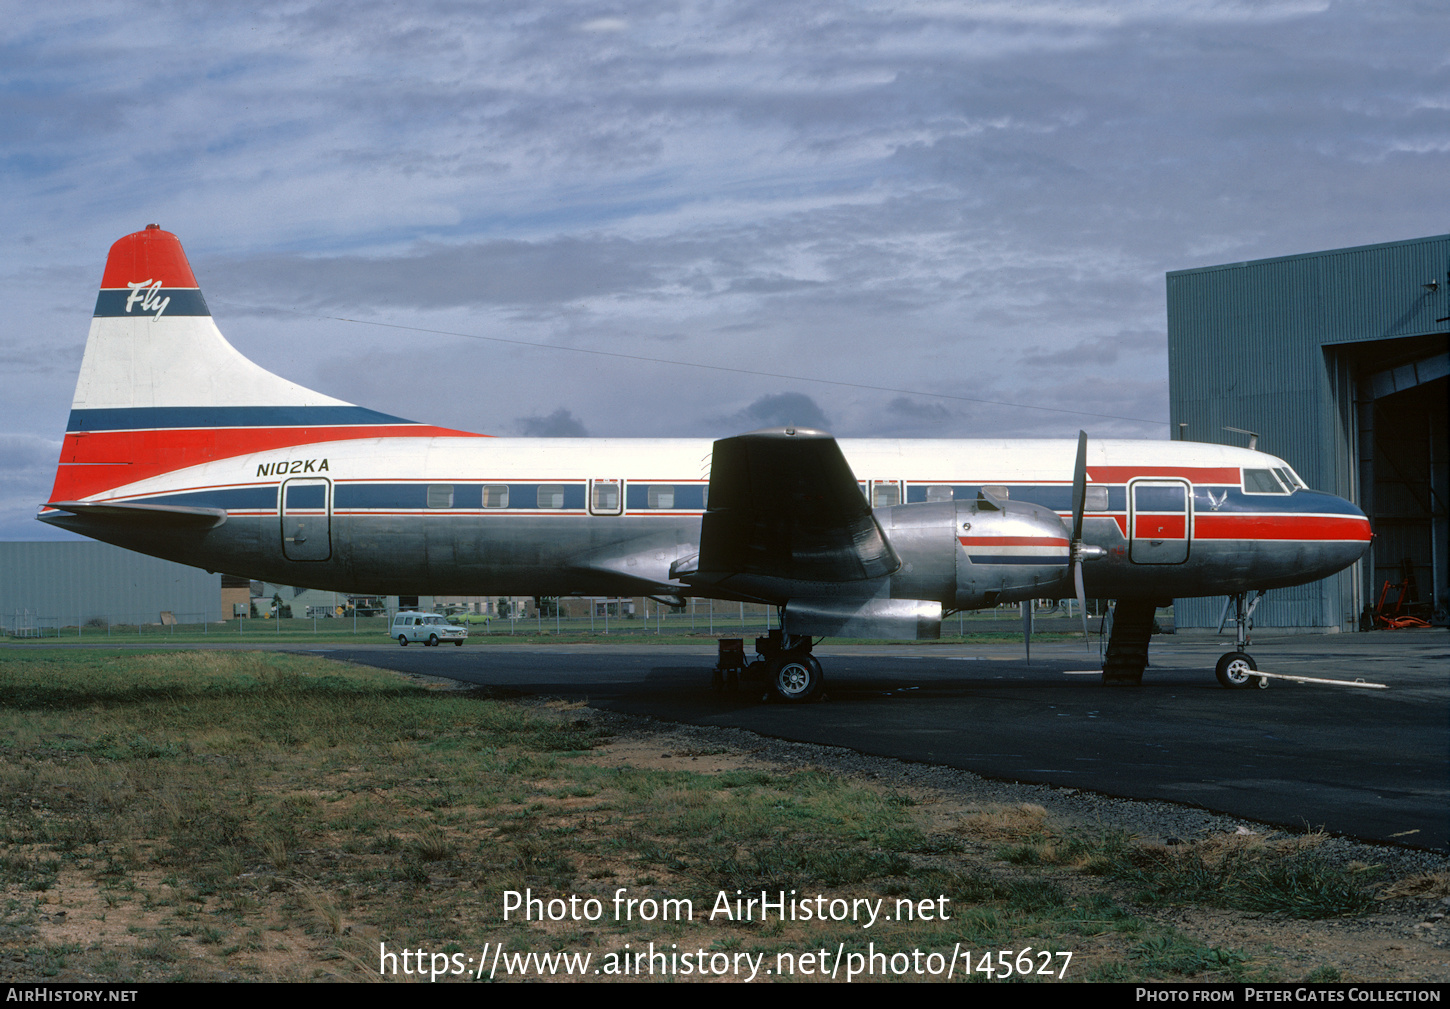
pixel 150 255
pixel 1282 527
pixel 96 461
pixel 1012 541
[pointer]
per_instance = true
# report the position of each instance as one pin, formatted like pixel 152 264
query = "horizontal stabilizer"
pixel 171 516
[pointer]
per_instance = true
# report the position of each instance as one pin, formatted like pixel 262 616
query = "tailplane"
pixel 161 389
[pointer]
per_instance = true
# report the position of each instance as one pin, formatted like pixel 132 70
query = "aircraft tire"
pixel 795 677
pixel 432 641
pixel 1235 671
pixel 403 640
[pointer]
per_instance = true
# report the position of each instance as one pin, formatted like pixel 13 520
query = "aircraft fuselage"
pixel 469 516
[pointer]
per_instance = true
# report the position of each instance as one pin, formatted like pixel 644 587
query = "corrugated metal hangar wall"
pixel 50 585
pixel 1339 360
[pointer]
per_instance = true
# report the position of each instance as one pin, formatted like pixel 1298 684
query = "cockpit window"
pixel 1290 478
pixel 1262 481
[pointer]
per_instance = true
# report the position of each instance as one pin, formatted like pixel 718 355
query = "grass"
pixel 1281 876
pixel 237 815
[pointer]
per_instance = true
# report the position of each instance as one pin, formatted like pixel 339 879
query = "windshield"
pixel 1262 481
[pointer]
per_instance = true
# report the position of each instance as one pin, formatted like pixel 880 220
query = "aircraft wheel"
pixel 1236 671
pixel 795 677
pixel 403 640
pixel 432 641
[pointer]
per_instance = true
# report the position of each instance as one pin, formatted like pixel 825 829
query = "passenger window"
pixel 1261 481
pixel 997 490
pixel 495 495
pixel 939 492
pixel 884 495
pixel 661 495
pixel 440 495
pixel 606 496
pixel 551 495
pixel 1095 499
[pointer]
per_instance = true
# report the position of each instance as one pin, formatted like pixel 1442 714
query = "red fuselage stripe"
pixel 95 461
pixel 1282 527
pixel 1193 474
pixel 1161 527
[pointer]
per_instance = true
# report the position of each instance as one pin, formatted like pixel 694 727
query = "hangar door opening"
pixel 1403 412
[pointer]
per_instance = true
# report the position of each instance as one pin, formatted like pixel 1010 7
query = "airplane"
pixel 180 447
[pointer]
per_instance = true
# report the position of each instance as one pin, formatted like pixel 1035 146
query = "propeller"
pixel 1077 549
pixel 1079 501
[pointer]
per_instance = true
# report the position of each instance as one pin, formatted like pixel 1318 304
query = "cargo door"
pixel 307 519
pixel 1160 521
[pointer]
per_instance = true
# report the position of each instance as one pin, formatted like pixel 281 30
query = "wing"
pixel 785 509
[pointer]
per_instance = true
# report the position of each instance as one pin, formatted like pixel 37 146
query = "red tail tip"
pixel 147 257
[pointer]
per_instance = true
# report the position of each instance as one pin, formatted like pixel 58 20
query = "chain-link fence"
pixel 530 617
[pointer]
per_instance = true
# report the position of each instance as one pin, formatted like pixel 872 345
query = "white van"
pixel 429 628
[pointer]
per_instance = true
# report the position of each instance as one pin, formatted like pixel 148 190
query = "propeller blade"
pixel 1079 503
pixel 1027 628
pixel 1081 602
pixel 1079 486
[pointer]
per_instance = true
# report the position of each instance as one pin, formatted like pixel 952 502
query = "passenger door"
pixel 307 519
pixel 1160 521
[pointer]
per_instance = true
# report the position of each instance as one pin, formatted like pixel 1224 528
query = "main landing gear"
pixel 783 663
pixel 1236 669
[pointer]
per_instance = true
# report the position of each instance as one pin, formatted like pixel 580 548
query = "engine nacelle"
pixel 976 554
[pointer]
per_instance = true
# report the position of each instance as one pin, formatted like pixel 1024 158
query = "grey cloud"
pixel 21 453
pixel 502 272
pixel 781 409
pixel 916 410
pixel 57 358
pixel 1102 350
pixel 559 424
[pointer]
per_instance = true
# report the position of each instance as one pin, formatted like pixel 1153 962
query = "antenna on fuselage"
pixel 1253 437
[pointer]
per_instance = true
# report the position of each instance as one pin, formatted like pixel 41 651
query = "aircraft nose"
pixel 1340 530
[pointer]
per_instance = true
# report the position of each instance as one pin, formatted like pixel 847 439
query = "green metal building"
pixel 1338 360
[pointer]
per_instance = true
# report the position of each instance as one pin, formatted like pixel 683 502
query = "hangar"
pixel 1338 362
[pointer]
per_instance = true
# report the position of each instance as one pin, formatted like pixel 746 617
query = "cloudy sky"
pixel 667 217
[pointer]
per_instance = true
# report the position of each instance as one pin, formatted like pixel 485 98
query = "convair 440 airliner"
pixel 180 447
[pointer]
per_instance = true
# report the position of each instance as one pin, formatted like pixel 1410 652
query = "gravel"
pixel 1162 822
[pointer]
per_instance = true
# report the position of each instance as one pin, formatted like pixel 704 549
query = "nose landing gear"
pixel 1236 669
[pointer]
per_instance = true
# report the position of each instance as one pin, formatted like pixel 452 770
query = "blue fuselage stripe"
pixel 144 418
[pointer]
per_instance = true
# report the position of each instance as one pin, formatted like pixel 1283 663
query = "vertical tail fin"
pixel 161 389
